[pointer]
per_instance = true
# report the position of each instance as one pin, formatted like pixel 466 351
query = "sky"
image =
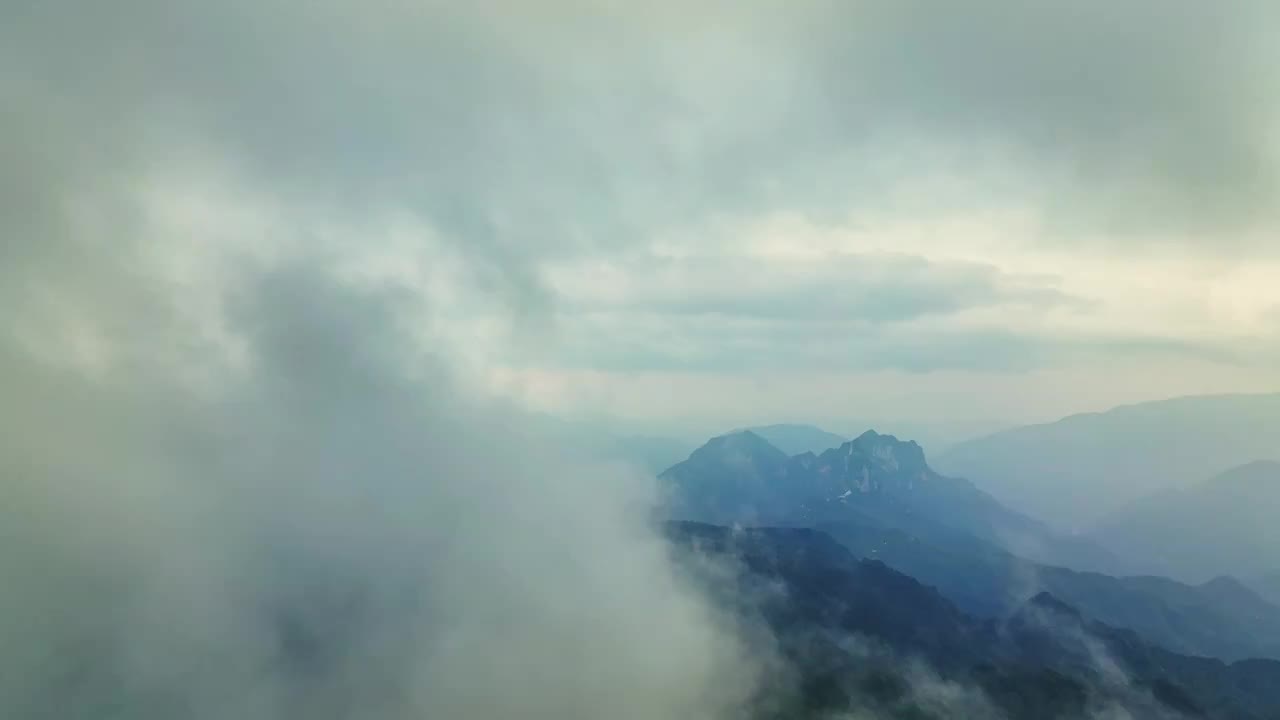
pixel 673 216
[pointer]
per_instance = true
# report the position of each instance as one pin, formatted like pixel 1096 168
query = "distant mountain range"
pixel 877 496
pixel 1225 525
pixel 1075 471
pixel 860 639
pixel 875 480
pixel 1221 618
pixel 796 438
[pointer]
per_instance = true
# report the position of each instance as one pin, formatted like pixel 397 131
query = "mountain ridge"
pixel 880 478
pixel 1221 618
pixel 1073 471
pixel 847 628
pixel 877 496
pixel 1198 531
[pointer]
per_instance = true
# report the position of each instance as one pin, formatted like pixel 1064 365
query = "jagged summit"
pixel 887 451
pixel 742 478
pixel 871 436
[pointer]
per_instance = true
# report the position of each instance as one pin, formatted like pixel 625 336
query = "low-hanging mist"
pixel 338 530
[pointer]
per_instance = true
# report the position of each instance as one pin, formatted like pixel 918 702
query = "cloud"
pixel 247 472
pixel 531 136
pixel 732 313
pixel 737 313
pixel 871 288
pixel 342 530
pixel 558 123
pixel 1140 115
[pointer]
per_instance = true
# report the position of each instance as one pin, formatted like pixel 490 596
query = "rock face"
pixel 743 469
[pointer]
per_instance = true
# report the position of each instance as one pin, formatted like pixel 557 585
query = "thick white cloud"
pixel 330 521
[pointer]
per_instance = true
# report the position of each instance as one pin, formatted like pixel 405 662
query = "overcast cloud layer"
pixel 843 199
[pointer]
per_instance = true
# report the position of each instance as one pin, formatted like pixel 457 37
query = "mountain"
pixel 1221 618
pixel 797 439
pixel 1226 525
pixel 877 497
pixel 874 480
pixel 739 477
pixel 1074 471
pixel 856 637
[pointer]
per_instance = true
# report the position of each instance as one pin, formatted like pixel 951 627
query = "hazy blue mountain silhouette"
pixel 877 496
pixel 877 480
pixel 1072 472
pixel 1225 525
